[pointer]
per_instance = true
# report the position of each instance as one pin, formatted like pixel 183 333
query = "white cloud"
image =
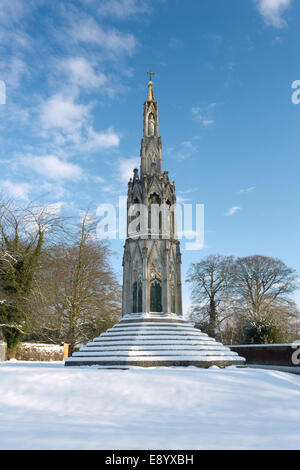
pixel 233 211
pixel 98 179
pixel 108 189
pixel 101 140
pixel 204 115
pixel 126 167
pixel 182 199
pixel 69 123
pixel 272 10
pixel 248 190
pixel 54 209
pixel 184 150
pixel 53 189
pixel 52 168
pixel 11 11
pixel 16 190
pixel 81 72
pixel 276 41
pixel 13 15
pixel 13 71
pixel 181 195
pixel 207 122
pixel 123 9
pixel 61 112
pixel 196 111
pixel 110 40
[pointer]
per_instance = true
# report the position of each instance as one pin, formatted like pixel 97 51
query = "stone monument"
pixel 152 331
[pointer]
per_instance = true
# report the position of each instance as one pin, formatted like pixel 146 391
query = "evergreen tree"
pixel 22 236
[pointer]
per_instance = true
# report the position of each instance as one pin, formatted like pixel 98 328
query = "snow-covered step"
pixel 158 347
pixel 186 360
pixel 153 324
pixel 153 354
pixel 152 317
pixel 157 337
pixel 154 340
pixel 154 328
pixel 165 339
pixel 161 323
pixel 151 342
pixel 151 329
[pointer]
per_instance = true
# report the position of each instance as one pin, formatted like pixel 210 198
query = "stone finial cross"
pixel 150 74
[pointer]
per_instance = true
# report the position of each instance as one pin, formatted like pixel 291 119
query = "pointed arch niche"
pixel 137 283
pixel 172 283
pixel 155 287
pixel 137 293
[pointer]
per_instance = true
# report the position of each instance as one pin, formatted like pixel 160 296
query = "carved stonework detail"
pixel 152 258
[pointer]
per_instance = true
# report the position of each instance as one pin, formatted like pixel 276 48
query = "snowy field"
pixel 49 406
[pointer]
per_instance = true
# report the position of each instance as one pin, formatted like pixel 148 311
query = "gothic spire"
pixel 151 143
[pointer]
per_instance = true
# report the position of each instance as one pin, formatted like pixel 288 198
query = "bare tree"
pixel 262 281
pixel 234 299
pixel 263 286
pixel 211 281
pixel 77 294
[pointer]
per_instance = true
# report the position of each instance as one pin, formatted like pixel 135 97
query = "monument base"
pixel 153 340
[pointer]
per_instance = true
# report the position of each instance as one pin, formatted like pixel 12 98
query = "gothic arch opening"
pixel 155 296
pixel 137 295
pixel 172 283
pixel 133 219
pixel 153 215
pixel 155 284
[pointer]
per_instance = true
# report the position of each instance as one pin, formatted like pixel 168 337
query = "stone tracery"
pixel 157 287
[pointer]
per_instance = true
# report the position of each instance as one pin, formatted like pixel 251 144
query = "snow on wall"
pixel 39 352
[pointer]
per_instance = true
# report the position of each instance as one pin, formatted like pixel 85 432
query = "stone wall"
pixel 39 352
pixel 2 351
pixel 270 354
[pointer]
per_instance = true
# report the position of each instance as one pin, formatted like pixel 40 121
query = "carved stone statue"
pixel 151 125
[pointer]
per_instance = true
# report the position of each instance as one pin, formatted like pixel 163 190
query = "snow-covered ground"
pixel 49 406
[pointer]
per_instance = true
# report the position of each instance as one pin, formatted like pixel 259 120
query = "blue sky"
pixel 75 74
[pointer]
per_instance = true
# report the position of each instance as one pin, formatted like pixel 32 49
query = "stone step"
pixel 148 334
pixel 158 347
pixel 176 361
pixel 166 321
pixel 154 341
pixel 153 354
pixel 137 342
pixel 157 337
pixel 154 328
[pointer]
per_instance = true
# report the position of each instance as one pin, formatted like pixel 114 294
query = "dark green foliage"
pixel 264 330
pixel 21 242
pixel 16 278
pixel 12 315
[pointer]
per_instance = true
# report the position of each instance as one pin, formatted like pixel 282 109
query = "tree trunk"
pixel 212 318
pixel 11 353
